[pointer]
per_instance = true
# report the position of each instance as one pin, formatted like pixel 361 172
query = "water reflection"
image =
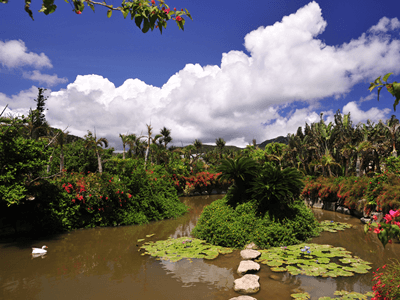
pixel 104 263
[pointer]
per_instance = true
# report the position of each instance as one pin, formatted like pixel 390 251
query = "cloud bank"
pixel 242 97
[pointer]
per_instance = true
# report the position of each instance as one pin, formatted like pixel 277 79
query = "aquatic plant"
pixel 332 226
pixel 344 295
pixel 313 260
pixel 183 247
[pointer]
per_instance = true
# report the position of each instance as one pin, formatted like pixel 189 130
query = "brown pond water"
pixel 104 263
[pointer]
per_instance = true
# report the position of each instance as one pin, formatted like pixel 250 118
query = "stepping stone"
pixel 243 298
pixel 247 266
pixel 251 246
pixel 250 254
pixel 248 284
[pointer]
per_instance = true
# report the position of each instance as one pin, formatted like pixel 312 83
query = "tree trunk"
pixel 61 160
pixel 99 161
pixel 48 166
pixel 123 153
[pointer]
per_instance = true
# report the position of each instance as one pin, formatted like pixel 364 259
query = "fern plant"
pixel 275 188
pixel 242 172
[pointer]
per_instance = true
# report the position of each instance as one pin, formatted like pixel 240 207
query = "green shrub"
pixel 224 225
pixel 276 188
pixel 132 197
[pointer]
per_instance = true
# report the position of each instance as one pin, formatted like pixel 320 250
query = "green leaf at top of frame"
pixel 385 78
pixel 91 6
pixel 379 91
pixel 125 12
pixel 372 86
pixel 378 81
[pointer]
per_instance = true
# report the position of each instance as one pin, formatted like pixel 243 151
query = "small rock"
pixel 251 246
pixel 243 298
pixel 250 254
pixel 248 284
pixel 274 277
pixel 247 266
pixel 365 220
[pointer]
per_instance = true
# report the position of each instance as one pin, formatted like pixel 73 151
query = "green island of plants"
pixel 332 226
pixel 183 247
pixel 313 260
pixel 262 206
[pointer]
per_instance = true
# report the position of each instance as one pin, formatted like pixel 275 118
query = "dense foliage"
pixel 381 192
pixel 228 226
pixel 262 206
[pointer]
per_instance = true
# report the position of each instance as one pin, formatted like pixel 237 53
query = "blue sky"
pixel 240 70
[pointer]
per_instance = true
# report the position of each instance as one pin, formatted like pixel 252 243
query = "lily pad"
pixel 332 226
pixel 184 247
pixel 301 296
pixel 279 269
pixel 314 260
pixel 348 296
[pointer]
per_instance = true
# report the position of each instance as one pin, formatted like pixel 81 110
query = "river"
pixel 104 263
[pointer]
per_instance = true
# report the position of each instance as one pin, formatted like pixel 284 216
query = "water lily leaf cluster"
pixel 184 247
pixel 314 260
pixel 344 295
pixel 332 226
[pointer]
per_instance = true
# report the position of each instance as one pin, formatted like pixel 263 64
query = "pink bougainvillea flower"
pixel 376 230
pixel 153 2
pixel 394 213
pixel 388 218
pixel 78 12
pixel 375 217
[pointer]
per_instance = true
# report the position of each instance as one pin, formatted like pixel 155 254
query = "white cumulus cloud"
pixel 357 115
pixel 287 62
pixel 48 80
pixel 15 54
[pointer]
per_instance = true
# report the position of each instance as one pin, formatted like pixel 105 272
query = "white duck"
pixel 39 250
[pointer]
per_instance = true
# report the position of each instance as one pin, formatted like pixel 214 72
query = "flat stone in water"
pixel 251 246
pixel 247 266
pixel 248 284
pixel 243 298
pixel 250 254
pixel 274 277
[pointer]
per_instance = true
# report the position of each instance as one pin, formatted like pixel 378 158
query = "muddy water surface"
pixel 104 263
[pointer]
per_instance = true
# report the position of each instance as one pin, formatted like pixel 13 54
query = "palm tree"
pixel 150 140
pixel 242 171
pixel 124 143
pixel 326 161
pixel 392 126
pixel 91 142
pixel 58 140
pixel 198 145
pixel 165 136
pixel 220 142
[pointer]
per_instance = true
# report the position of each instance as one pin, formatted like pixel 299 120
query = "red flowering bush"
pixel 387 282
pixel 200 183
pixel 352 190
pixel 134 196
